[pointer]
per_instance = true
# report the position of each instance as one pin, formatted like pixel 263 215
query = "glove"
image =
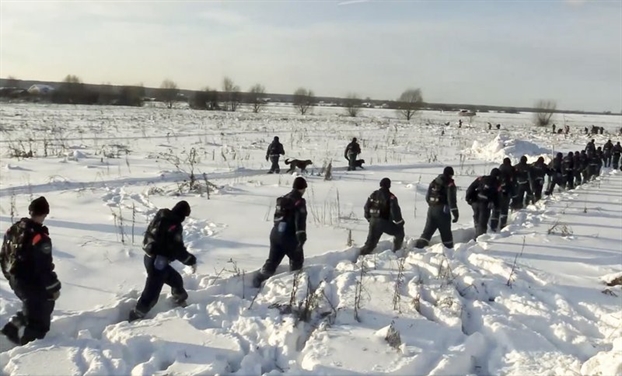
pixel 192 261
pixel 455 218
pixel 266 158
pixel 56 295
pixel 302 238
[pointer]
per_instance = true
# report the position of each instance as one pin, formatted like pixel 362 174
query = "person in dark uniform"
pixel 576 168
pixel 568 170
pixel 352 151
pixel 600 159
pixel 163 243
pixel 556 174
pixel 289 233
pixel 616 151
pixel 27 263
pixel 590 147
pixel 274 152
pixel 607 153
pixel 508 188
pixel 522 173
pixel 442 205
pixel 384 215
pixel 585 167
pixel 539 172
pixel 593 163
pixel 483 196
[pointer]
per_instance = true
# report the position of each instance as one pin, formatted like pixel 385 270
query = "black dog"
pixel 359 163
pixel 302 165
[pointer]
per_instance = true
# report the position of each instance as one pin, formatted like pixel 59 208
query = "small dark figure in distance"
pixel 297 163
pixel 26 260
pixel 384 215
pixel 274 152
pixel 289 233
pixel 164 243
pixel 352 151
pixel 442 205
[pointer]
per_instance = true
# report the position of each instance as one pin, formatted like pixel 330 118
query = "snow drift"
pixel 503 146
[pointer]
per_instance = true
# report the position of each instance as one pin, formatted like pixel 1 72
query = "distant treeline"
pixel 73 91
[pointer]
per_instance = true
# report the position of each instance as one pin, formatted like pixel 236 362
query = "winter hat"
pixel 540 159
pixel 39 206
pixel 495 172
pixel 523 159
pixel 182 209
pixel 448 171
pixel 276 138
pixel 385 183
pixel 354 139
pixel 299 183
pixel 507 161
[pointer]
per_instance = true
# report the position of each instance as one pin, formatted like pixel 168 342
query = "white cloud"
pixel 223 17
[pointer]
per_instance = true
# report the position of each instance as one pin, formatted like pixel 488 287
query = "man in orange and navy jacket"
pixel 26 261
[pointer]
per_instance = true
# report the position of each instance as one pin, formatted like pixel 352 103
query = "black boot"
pixel 11 332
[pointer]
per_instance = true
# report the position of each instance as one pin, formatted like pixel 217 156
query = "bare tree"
pixel 353 104
pixel 410 102
pixel 257 97
pixel 12 82
pixel 231 93
pixel 207 99
pixel 303 100
pixel 168 92
pixel 544 112
pixel 73 91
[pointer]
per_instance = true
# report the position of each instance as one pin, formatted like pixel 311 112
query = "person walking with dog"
pixel 274 152
pixel 442 205
pixel 352 151
pixel 384 215
pixel 288 234
pixel 26 260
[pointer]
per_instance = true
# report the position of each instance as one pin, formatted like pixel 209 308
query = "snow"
pixel 531 299
pixel 503 146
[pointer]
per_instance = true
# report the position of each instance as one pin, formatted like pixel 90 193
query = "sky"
pixel 494 52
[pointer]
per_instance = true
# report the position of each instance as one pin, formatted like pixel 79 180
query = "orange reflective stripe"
pixel 36 239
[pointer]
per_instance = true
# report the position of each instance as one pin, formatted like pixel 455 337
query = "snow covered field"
pixel 528 300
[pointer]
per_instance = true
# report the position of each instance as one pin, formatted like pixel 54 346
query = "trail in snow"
pixel 457 312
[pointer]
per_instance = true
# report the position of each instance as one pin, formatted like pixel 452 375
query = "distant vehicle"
pixel 467 113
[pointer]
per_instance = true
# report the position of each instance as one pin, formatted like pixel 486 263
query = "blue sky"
pixel 481 52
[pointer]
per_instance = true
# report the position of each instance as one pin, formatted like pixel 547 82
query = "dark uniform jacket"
pixel 165 237
pixel 275 149
pixel 539 170
pixel 383 204
pixel 290 216
pixel 484 189
pixel 442 191
pixel 353 148
pixel 26 259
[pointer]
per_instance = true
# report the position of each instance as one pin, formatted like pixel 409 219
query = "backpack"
pixel 377 204
pixel 436 193
pixel 284 209
pixel 152 234
pixel 11 253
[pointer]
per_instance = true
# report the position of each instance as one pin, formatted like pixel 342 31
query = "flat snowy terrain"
pixel 530 300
